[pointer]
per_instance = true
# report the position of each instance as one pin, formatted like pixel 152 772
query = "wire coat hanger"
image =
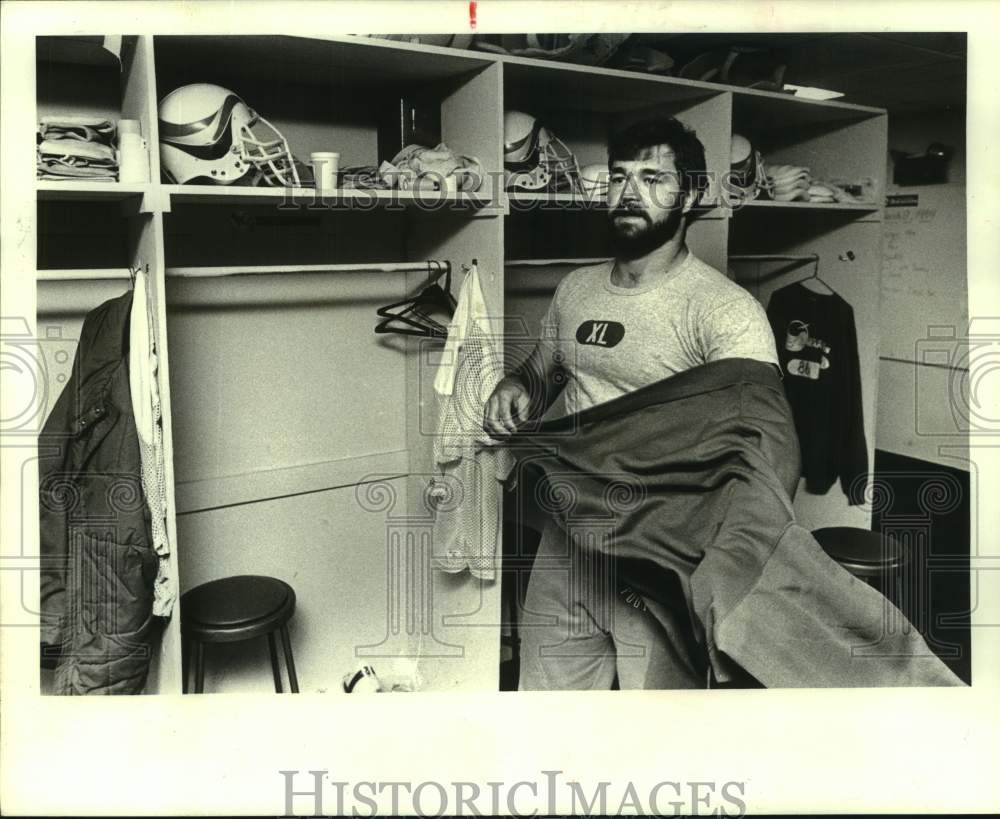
pixel 814 276
pixel 416 309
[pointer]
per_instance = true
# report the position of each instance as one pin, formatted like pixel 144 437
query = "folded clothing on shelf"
pixel 791 183
pixel 71 126
pixel 76 147
pixel 417 167
pixel 363 177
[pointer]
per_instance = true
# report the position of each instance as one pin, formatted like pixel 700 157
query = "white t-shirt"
pixel 613 340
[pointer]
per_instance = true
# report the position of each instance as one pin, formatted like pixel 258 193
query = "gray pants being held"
pixel 580 627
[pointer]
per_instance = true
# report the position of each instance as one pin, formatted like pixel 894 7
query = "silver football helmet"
pixel 209 134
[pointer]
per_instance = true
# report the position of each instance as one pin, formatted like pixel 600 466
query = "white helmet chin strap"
pixel 536 179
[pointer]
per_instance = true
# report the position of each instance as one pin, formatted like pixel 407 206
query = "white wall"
pixel 920 407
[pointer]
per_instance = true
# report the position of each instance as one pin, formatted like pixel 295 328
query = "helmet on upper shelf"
pixel 207 134
pixel 747 178
pixel 534 158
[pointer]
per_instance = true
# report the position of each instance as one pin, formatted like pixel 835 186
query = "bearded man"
pixel 653 311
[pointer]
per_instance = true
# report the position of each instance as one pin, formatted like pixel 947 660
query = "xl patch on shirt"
pixel 600 333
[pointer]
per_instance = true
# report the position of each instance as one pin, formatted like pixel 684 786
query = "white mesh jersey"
pixel 466 494
pixel 147 412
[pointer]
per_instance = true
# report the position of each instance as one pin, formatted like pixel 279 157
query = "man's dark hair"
pixel 689 153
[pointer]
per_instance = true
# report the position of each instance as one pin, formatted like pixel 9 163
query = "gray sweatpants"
pixel 579 627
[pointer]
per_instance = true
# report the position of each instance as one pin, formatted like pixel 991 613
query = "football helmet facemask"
pixel 535 159
pixel 209 134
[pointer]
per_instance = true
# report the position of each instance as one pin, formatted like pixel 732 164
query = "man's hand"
pixel 508 406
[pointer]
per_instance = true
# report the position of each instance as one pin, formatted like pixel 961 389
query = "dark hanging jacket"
pixel 683 487
pixel 818 350
pixel 98 564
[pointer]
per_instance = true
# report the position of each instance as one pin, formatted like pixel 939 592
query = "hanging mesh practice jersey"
pixel 148 419
pixel 466 494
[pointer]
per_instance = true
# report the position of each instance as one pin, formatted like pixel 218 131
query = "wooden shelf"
pixel 223 194
pixel 308 197
pixel 578 202
pixel 88 50
pixel 349 62
pixel 765 203
pixel 574 199
pixel 569 77
pixel 87 191
pixel 84 274
pixel 770 110
pixel 530 82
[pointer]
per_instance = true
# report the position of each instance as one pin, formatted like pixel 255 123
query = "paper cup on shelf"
pixel 326 165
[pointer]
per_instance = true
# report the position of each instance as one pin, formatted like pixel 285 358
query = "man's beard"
pixel 646 239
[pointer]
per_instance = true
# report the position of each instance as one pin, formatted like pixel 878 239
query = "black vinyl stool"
pixel 235 609
pixel 877 559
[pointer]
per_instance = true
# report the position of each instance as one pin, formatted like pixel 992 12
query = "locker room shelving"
pixel 765 203
pixel 88 191
pixel 529 198
pixel 81 75
pixel 86 234
pixel 342 95
pixel 834 141
pixel 355 198
pixel 281 407
pixel 90 226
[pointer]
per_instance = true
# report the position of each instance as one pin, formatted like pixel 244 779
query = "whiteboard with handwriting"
pixel 924 280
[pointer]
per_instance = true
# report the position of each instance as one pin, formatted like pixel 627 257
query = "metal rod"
pixel 84 275
pixel 771 257
pixel 430 266
pixel 199 510
pixel 553 262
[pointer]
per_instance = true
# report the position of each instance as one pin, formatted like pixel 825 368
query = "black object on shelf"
pixel 929 168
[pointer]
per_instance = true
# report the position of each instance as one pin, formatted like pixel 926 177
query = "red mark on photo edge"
pixel 472 13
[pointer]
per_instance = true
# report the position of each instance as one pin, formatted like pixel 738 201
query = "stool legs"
pixel 272 649
pixel 286 643
pixel 195 650
pixel 199 667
